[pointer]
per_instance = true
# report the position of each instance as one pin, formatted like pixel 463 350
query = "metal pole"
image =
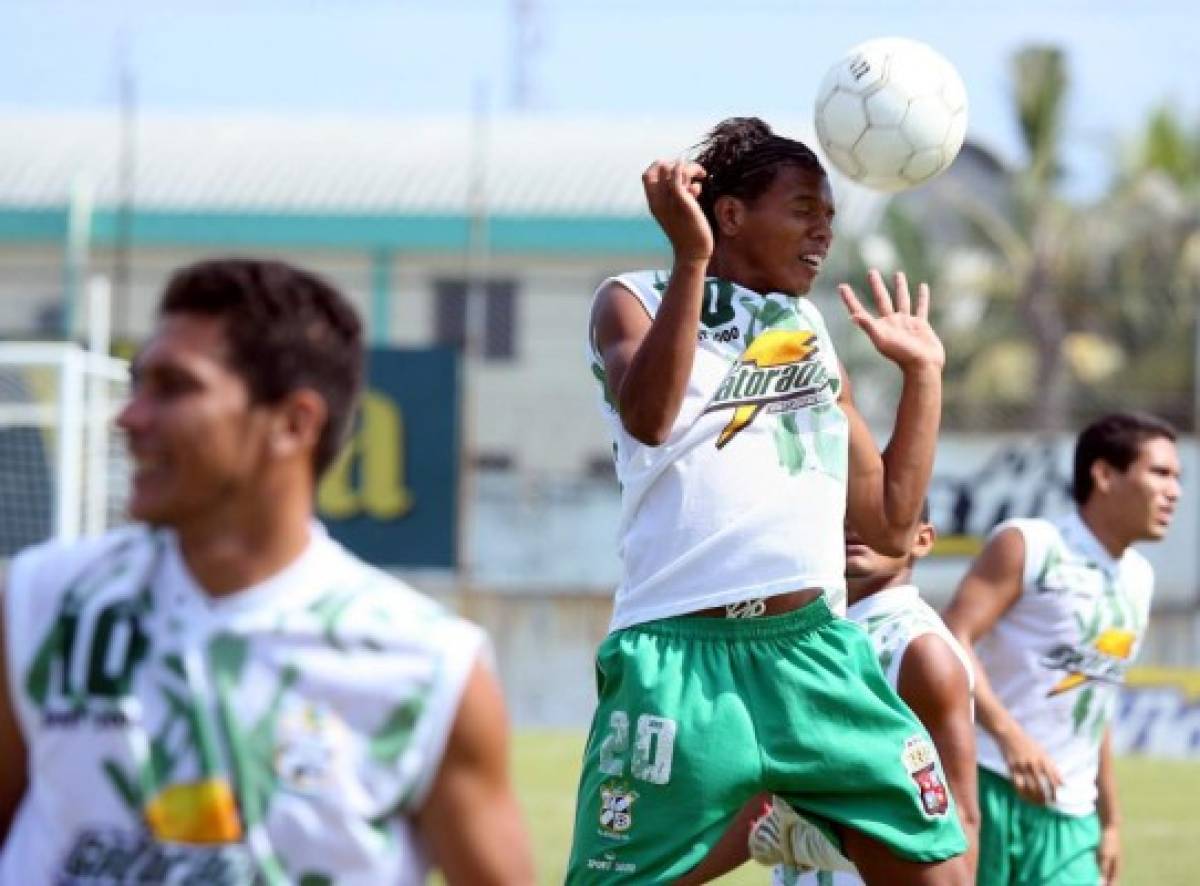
pixel 126 175
pixel 475 300
pixel 79 235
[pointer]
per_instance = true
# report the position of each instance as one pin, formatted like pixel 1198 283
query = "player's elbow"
pixel 649 430
pixel 891 541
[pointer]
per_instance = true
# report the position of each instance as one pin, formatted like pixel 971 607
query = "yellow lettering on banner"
pixel 368 478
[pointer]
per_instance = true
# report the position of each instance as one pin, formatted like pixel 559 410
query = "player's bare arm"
pixel 933 683
pixel 648 363
pixel 886 489
pixel 991 586
pixel 471 821
pixel 13 772
pixel 1108 854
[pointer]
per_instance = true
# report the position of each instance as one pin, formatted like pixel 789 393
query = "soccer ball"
pixel 891 114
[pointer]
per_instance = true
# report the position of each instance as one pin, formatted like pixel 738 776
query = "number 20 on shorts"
pixel 653 747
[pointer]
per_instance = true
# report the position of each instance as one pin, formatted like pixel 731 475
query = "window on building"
pixel 497 332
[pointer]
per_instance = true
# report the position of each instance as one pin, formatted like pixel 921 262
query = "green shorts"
pixel 697 715
pixel 1030 845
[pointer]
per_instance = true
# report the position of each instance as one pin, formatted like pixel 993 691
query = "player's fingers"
pixel 883 298
pixel 1052 773
pixel 654 173
pixel 853 306
pixel 903 299
pixel 1023 784
pixel 923 301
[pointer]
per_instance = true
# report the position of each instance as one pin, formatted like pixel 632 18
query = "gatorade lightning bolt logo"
pixel 779 372
pixel 1106 660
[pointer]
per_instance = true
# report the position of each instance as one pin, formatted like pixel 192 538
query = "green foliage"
pixel 1040 80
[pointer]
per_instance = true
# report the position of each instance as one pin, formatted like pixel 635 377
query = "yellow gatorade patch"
pixel 195 812
pixel 779 371
pixel 1105 660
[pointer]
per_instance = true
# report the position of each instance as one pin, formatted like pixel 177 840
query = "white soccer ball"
pixel 891 114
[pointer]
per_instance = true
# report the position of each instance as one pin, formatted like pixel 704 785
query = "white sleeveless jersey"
pixel 893 618
pixel 281 735
pixel 1057 657
pixel 745 498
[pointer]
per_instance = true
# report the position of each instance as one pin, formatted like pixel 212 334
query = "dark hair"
pixel 287 329
pixel 1115 439
pixel 742 156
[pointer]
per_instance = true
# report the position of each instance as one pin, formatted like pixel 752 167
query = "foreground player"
pixel 1055 612
pixel 931 672
pixel 735 435
pixel 222 694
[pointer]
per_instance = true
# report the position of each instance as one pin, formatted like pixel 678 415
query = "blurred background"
pixel 468 172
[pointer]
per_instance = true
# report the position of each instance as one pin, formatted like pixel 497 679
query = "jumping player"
pixel 220 693
pixel 739 450
pixel 1055 612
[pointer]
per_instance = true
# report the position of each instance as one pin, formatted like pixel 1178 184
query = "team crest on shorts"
pixel 616 808
pixel 921 762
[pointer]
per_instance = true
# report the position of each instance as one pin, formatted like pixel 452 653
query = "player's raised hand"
pixel 901 331
pixel 672 187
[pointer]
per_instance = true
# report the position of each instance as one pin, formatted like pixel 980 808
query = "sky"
pixel 703 59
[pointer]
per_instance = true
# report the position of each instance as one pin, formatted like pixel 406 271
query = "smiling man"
pixel 220 693
pixel 1055 612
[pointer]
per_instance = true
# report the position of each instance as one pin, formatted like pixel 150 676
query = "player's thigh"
pixel 849 752
pixel 671 759
pixel 876 863
pixel 1058 850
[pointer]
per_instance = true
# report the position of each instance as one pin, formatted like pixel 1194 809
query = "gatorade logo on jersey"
pixel 112 855
pixel 1106 660
pixel 921 762
pixel 780 372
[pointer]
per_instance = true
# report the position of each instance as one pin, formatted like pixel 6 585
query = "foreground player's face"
pixel 1148 490
pixel 193 434
pixel 787 230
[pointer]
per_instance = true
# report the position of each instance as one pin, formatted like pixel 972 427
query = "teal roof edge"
pixel 586 235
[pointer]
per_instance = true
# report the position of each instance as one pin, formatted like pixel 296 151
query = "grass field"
pixel 1160 803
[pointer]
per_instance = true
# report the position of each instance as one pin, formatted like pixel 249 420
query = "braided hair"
pixel 742 156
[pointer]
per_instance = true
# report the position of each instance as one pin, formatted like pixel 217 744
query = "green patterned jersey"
pixel 284 734
pixel 746 495
pixel 1056 659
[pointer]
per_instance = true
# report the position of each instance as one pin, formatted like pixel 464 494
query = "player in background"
pixel 739 450
pixel 220 693
pixel 1054 612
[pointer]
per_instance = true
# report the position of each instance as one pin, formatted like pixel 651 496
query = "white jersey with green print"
pixel 893 618
pixel 745 497
pixel 280 735
pixel 1056 659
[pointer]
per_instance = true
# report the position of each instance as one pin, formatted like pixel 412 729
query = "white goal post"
pixel 62 473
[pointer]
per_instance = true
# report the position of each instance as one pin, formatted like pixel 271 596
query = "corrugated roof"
pixel 329 164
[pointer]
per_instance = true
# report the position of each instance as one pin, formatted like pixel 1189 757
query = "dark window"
pixel 497 334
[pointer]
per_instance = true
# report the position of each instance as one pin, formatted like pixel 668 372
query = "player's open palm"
pixel 672 188
pixel 1034 774
pixel 901 331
